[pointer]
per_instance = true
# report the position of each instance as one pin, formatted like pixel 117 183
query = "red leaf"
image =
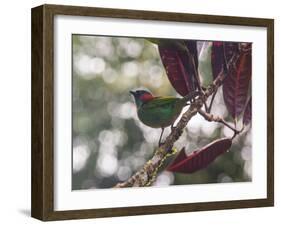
pixel 230 49
pixel 217 55
pixel 201 158
pixel 192 47
pixel 236 84
pixel 178 64
pixel 217 58
pixel 247 117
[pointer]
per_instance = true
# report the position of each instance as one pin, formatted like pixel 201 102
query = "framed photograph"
pixel 141 112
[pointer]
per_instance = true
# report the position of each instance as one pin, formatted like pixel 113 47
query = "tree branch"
pixel 213 118
pixel 144 176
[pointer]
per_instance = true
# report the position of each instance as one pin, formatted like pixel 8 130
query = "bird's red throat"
pixel 146 97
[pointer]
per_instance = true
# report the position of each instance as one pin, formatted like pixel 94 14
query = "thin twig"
pixel 196 74
pixel 225 65
pixel 208 110
pixel 213 118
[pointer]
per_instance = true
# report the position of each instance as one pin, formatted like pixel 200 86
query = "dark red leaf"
pixel 201 158
pixel 192 47
pixel 217 58
pixel 218 55
pixel 236 84
pixel 230 49
pixel 247 117
pixel 178 64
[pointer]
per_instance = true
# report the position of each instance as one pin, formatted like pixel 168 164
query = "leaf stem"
pixel 208 110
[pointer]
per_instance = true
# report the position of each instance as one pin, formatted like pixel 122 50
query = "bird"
pixel 159 111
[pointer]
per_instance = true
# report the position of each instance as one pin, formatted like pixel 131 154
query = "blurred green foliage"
pixel 110 143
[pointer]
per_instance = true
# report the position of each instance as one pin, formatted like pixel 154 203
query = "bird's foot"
pixel 172 151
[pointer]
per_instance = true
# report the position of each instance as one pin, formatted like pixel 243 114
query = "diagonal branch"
pixel 213 118
pixel 144 176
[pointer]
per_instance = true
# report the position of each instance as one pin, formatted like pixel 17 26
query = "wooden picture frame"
pixel 42 203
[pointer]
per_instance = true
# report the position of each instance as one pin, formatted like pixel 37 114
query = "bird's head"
pixel 141 96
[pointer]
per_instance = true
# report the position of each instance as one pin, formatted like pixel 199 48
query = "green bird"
pixel 159 111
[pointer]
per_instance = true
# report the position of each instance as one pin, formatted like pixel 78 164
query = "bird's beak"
pixel 132 92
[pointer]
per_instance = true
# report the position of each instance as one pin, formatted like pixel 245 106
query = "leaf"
pixel 236 84
pixel 205 66
pixel 218 56
pixel 176 56
pixel 247 117
pixel 199 159
pixel 153 40
pixel 192 47
pixel 230 49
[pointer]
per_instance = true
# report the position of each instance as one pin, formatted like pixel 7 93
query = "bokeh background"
pixel 110 143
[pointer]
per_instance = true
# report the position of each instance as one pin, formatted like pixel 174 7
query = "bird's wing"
pixel 160 102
